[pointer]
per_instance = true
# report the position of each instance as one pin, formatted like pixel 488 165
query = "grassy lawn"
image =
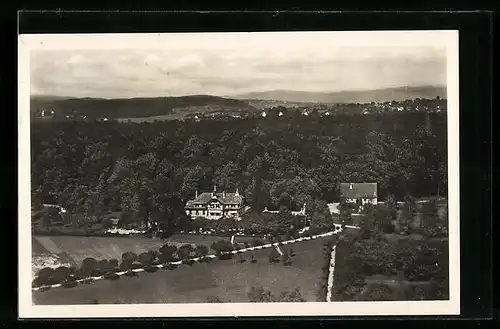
pixel 79 248
pixel 230 280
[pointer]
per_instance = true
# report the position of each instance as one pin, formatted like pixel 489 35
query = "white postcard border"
pixel 27 43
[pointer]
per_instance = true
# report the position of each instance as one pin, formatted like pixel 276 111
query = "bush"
pixel 258 242
pixel 151 269
pixel 291 252
pixel 202 249
pixel 189 262
pixel 104 266
pixel 129 257
pixel 130 273
pixel 171 266
pixel 184 251
pixel 274 256
pixel 213 299
pixel 136 265
pixel 146 258
pixel 87 281
pixel 107 223
pixel 225 256
pixel 45 272
pixel 253 260
pixel 60 274
pixel 111 276
pixel 222 246
pixel 114 263
pixel 89 265
pixel 79 274
pixel 69 284
pixel 287 261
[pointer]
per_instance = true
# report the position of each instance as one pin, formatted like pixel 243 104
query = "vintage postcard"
pixel 239 174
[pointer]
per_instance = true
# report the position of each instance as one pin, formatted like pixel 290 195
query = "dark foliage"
pixel 150 170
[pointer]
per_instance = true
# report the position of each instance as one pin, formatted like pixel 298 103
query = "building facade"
pixel 364 192
pixel 215 205
pixel 301 212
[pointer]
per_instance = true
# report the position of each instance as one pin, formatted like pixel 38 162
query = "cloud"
pixel 229 70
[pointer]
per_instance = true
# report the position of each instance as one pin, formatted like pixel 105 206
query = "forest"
pixel 149 170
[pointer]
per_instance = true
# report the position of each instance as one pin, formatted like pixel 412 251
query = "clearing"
pixel 229 280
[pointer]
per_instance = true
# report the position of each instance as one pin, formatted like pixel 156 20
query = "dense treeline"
pixel 150 170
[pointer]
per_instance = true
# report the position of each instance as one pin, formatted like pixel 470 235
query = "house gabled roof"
pixel 358 190
pixel 206 197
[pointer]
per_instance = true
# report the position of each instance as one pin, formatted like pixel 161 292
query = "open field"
pixel 79 248
pixel 227 279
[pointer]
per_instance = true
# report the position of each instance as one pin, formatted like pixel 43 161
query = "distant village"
pixel 435 105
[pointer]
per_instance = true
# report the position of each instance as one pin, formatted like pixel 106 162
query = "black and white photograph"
pixel 239 174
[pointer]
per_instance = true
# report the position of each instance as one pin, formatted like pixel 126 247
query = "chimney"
pixel 224 194
pixel 196 194
pixel 350 186
pixel 237 193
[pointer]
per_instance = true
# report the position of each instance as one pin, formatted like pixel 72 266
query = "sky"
pixel 233 64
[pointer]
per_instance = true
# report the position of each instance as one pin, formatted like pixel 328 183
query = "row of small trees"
pixel 166 254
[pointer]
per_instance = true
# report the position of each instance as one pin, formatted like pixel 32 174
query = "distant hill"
pixel 354 96
pixel 137 107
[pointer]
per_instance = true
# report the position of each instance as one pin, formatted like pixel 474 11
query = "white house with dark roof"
pixel 215 205
pixel 365 192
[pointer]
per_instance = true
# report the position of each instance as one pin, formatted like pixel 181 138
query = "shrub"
pixel 259 295
pixel 136 265
pixel 60 274
pixel 146 258
pixel 87 281
pixel 222 246
pixel 107 223
pixel 89 265
pixel 189 262
pixel 37 282
pixel 184 251
pixel 258 242
pixel 45 272
pixel 253 260
pixel 69 284
pixel 287 261
pixel 111 276
pixel 202 249
pixel 225 256
pixel 247 245
pixel 291 296
pixel 213 299
pixel 291 252
pixel 104 266
pixel 170 266
pixel 274 256
pixel 130 273
pixel 151 269
pixel 114 263
pixel 241 259
pixel 129 257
